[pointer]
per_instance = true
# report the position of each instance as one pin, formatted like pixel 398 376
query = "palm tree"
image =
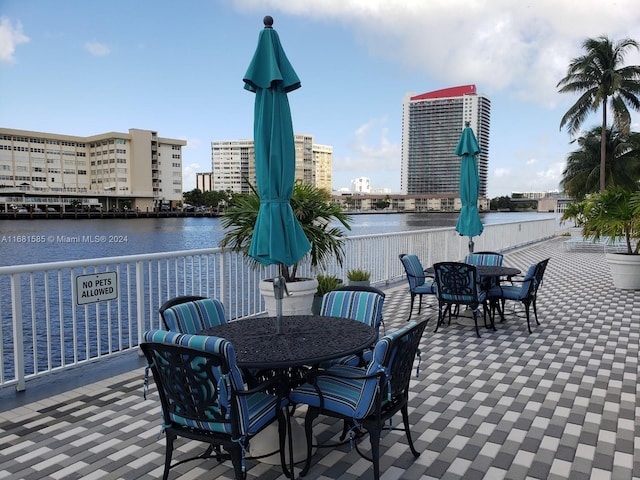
pixel 622 166
pixel 603 83
pixel 318 217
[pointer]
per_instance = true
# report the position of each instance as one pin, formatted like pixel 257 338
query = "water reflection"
pixel 37 241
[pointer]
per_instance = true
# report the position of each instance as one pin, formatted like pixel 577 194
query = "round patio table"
pixel 489 271
pixel 305 340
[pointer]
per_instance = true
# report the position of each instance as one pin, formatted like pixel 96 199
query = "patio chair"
pixel 485 258
pixel 203 397
pixel 360 303
pixel 418 283
pixel 458 284
pixel 523 290
pixel 192 314
pixel 367 397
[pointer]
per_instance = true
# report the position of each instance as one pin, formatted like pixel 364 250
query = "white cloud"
pixel 97 49
pixel 189 175
pixel 369 149
pixel 371 154
pixel 10 37
pixel 532 175
pixel 523 47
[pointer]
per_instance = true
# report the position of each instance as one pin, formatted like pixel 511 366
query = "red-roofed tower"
pixel 431 126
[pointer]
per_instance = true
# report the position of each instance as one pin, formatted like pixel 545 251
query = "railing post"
pixel 18 345
pixel 140 301
pixel 223 274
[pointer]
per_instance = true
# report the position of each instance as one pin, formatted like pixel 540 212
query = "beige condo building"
pixel 138 168
pixel 233 163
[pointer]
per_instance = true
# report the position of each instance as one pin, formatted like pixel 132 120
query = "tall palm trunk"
pixel 603 147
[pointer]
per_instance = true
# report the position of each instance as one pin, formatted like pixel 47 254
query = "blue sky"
pixel 81 67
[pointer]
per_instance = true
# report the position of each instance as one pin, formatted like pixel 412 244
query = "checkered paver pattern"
pixel 562 403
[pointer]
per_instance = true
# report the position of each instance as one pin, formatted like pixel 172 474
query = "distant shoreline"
pixel 99 215
pixel 170 214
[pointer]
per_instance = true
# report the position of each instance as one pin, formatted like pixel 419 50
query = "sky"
pixel 78 67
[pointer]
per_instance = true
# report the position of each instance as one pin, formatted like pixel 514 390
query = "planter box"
pixel 625 270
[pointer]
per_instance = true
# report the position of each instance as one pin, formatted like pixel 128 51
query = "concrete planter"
pixel 299 300
pixel 625 270
pixel 575 232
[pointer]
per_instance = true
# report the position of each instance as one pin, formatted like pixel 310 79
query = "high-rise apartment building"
pixel 431 127
pixel 204 181
pixel 233 164
pixel 138 166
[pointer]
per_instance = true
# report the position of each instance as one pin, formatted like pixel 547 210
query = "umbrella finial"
pixel 268 21
pixel 467 123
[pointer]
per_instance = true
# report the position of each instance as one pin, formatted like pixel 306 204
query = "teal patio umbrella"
pixel 469 223
pixel 278 237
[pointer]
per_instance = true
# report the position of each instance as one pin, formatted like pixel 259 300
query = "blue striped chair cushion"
pixel 255 410
pixel 514 292
pixel 195 316
pixel 427 287
pixel 488 259
pixel 414 269
pixel 365 307
pixel 342 392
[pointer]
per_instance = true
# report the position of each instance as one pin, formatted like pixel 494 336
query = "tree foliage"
pixel 313 209
pixel 603 83
pixel 581 175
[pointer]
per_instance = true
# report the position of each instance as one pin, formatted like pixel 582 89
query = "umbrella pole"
pixel 279 286
pixel 470 244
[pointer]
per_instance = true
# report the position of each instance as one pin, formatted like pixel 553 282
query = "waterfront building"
pixel 364 202
pixel 102 171
pixel 431 127
pixel 361 185
pixel 204 181
pixel 233 162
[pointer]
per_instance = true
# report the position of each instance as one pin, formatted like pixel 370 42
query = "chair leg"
pixel 407 429
pixel 413 297
pixel 485 308
pixel 535 311
pixel 284 429
pixel 312 414
pixel 236 459
pixel 374 438
pixel 167 455
pixel 475 320
pixel 527 306
pixel 419 304
pixel 440 318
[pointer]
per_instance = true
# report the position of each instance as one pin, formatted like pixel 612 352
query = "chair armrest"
pixel 314 374
pixel 264 386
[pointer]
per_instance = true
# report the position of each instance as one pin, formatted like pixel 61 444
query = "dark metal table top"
pixel 489 271
pixel 496 271
pixel 305 340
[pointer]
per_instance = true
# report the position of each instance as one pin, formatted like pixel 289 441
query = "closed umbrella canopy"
pixel 469 223
pixel 277 236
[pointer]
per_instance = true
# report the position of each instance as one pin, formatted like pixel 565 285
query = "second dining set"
pixel 480 283
pixel 224 382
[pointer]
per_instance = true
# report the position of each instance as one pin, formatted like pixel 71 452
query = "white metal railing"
pixel 52 321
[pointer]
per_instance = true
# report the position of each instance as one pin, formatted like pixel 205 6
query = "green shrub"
pixel 358 275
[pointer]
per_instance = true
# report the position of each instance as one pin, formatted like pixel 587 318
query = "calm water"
pixel 36 241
